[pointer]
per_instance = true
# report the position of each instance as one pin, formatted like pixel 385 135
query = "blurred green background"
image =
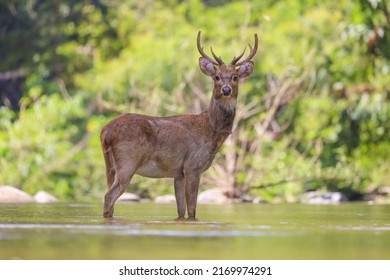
pixel 314 114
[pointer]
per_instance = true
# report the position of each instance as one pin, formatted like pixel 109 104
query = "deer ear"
pixel 207 67
pixel 245 69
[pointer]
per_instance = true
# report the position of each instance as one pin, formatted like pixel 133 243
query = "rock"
pixel 10 194
pixel 385 190
pixel 379 196
pixel 259 200
pixel 246 198
pixel 129 197
pixel 169 198
pixel 44 197
pixel 316 197
pixel 214 196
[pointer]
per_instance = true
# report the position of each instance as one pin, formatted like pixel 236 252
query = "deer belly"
pixel 154 169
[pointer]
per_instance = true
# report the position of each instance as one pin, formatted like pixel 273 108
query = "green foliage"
pixel 84 62
pixel 37 146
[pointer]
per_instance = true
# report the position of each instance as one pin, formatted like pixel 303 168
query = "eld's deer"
pixel 179 147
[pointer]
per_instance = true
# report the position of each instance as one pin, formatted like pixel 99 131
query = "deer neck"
pixel 221 116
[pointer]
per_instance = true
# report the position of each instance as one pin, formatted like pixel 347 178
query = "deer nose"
pixel 226 90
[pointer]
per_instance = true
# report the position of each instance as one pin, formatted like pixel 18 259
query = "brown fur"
pixel 179 147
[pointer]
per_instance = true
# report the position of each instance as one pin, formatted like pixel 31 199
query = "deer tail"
pixel 108 156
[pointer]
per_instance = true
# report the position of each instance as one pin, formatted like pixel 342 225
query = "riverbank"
pixel 9 194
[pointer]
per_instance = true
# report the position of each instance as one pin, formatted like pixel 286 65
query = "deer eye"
pixel 217 78
pixel 235 78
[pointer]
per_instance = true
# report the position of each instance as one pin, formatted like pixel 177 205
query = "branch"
pixel 386 12
pixel 13 74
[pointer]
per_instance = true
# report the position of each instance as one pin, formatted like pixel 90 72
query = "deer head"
pixel 226 76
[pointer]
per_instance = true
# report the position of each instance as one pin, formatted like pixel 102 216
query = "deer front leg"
pixel 191 191
pixel 180 198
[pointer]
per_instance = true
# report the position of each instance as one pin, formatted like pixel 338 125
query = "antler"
pixel 217 58
pixel 236 59
pixel 217 61
pixel 249 57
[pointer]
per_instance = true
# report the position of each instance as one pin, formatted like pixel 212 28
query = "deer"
pixel 181 147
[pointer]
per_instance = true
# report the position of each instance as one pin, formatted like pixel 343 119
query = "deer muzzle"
pixel 226 90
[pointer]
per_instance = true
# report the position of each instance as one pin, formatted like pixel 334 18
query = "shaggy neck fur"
pixel 222 115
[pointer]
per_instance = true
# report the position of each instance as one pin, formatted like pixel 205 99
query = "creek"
pixel 234 231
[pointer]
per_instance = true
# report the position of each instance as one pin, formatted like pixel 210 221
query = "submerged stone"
pixel 10 194
pixel 214 196
pixel 45 197
pixel 165 199
pixel 316 197
pixel 129 197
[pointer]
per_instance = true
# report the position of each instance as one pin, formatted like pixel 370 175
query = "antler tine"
pixel 201 51
pixel 217 58
pixel 236 59
pixel 251 53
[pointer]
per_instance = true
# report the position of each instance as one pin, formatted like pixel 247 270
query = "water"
pixel 242 231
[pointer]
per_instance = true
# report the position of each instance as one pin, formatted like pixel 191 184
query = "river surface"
pixel 238 231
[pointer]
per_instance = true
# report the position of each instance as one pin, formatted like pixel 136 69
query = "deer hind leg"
pixel 180 198
pixel 122 179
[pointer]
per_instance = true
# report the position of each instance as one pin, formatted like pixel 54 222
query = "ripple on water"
pixel 135 229
pixel 362 228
